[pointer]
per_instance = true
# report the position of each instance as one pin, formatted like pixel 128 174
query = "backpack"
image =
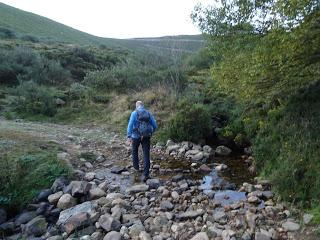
pixel 145 128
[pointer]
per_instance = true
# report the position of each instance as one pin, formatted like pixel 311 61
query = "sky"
pixel 118 18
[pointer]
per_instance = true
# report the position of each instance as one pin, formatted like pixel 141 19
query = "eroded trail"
pixel 107 200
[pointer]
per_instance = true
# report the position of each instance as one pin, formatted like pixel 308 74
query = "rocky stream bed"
pixel 188 197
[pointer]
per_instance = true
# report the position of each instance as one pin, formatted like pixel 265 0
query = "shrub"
pixel 30 38
pixel 191 123
pixel 78 91
pixel 287 147
pixel 34 99
pixel 29 173
pixel 7 33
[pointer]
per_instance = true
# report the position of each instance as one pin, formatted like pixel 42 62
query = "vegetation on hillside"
pixel 266 60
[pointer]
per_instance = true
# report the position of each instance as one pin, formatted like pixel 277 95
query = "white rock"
pixel 307 218
pixel 66 201
pixel 290 226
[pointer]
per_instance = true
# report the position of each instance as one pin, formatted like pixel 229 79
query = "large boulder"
pixel 43 195
pixel 77 221
pixel 290 226
pixel 59 184
pixel 96 193
pixel 108 223
pixel 197 157
pixel 223 151
pixel 54 198
pixel 86 207
pixel 79 188
pixel 36 227
pixel 25 217
pixel 66 201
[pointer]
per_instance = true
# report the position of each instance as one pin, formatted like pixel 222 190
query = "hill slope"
pixel 26 23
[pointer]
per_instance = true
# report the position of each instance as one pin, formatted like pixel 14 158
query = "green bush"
pixel 191 123
pixel 287 148
pixel 29 173
pixel 78 91
pixel 34 99
pixel 7 33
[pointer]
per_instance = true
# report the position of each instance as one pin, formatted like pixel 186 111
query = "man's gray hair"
pixel 139 104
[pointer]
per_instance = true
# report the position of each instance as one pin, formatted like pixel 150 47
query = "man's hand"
pixel 129 141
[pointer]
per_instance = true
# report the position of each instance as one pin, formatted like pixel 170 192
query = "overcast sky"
pixel 118 18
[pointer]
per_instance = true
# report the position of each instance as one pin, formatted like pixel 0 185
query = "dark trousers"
pixel 145 142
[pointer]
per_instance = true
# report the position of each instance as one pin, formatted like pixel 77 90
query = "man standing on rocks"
pixel 141 126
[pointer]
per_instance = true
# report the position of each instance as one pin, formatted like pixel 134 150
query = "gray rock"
pixel 89 176
pixel 189 215
pixel 56 237
pixel 59 184
pixel 227 234
pixel 251 219
pixel 197 157
pixel 205 168
pixel 214 232
pixel 3 215
pixel 97 236
pixel 254 199
pixel 175 195
pixel 172 148
pixel 96 193
pixel 36 226
pixel 166 205
pixel 54 198
pixel 221 167
pixel 144 236
pixel 100 159
pixel 7 227
pixel 170 143
pixel 117 169
pixel 153 183
pixel 207 149
pixel 60 102
pixel 113 196
pixel 25 217
pixel 43 195
pixel 113 235
pixel 108 223
pixel 223 151
pixel 129 217
pixel 290 226
pixel 307 218
pixel 66 201
pixel 79 188
pixel 77 221
pixel 217 216
pixel 137 188
pixel 136 229
pixel 200 236
pixel 86 207
pixel 262 236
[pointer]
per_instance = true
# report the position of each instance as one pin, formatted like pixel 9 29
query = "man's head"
pixel 139 104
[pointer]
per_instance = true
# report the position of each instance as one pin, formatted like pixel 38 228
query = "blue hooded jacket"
pixel 133 124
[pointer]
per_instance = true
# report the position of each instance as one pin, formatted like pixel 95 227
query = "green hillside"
pixel 24 24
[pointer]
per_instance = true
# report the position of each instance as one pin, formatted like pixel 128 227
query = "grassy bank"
pixel 27 166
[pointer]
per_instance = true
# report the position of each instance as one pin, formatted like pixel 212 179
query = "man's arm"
pixel 130 125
